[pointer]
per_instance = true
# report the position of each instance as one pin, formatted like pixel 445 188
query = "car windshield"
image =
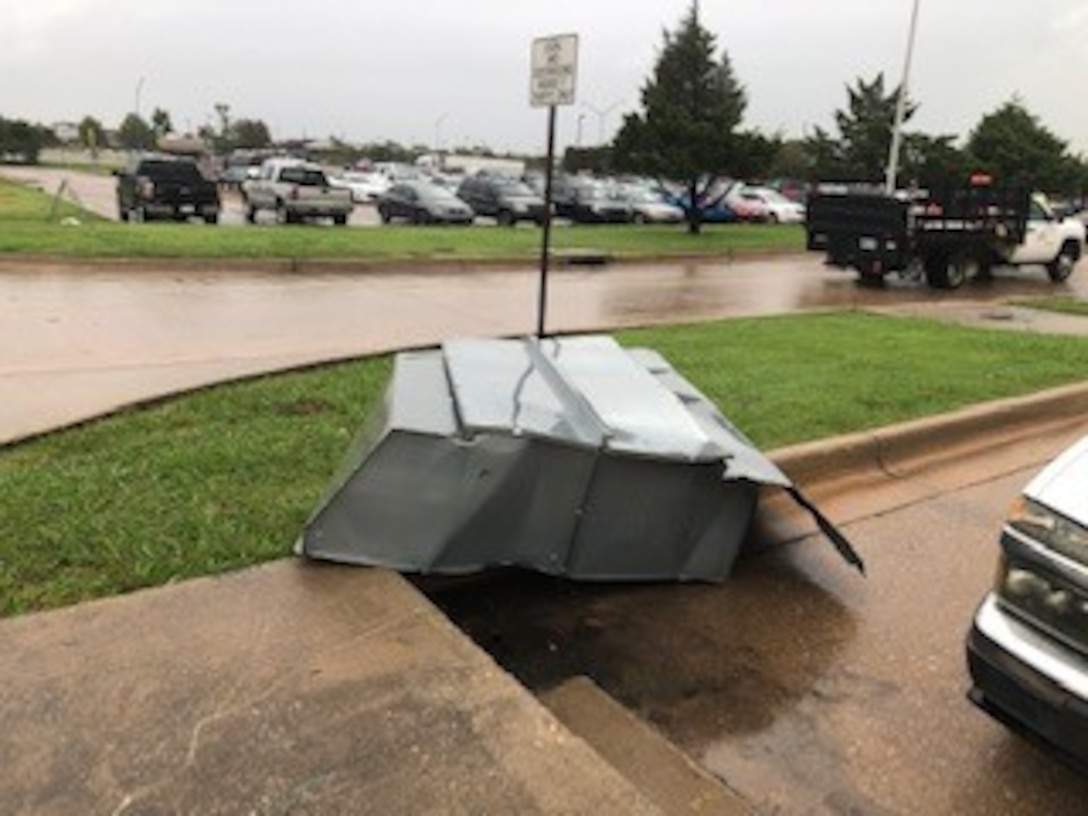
pixel 641 195
pixel 303 176
pixel 773 197
pixel 170 170
pixel 437 195
pixel 514 188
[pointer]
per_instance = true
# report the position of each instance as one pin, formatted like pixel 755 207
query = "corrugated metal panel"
pixel 572 456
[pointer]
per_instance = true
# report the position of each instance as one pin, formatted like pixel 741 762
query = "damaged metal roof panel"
pixel 572 456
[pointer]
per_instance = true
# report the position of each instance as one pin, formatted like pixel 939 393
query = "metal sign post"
pixel 552 81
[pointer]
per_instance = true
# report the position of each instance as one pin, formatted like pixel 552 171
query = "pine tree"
pixel 692 106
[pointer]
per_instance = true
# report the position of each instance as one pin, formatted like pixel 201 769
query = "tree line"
pixel 689 130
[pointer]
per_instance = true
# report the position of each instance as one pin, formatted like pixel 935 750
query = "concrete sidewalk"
pixel 289 688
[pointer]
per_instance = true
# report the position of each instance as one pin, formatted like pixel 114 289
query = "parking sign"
pixel 554 70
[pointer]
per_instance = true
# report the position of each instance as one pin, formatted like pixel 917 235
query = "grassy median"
pixel 31 226
pixel 226 477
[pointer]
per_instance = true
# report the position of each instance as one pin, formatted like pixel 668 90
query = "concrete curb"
pixel 561 258
pixel 903 448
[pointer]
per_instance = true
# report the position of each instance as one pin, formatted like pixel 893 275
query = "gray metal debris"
pixel 572 456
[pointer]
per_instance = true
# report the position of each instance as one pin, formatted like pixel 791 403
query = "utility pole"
pixel 901 107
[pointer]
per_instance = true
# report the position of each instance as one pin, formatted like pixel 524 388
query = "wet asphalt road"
pixel 80 340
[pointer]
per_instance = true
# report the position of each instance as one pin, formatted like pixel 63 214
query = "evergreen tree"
pixel 1016 149
pixel 692 105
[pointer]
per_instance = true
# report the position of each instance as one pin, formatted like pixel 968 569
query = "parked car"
pixel 592 202
pixel 651 207
pixel 421 202
pixel 505 199
pixel 162 186
pixel 747 205
pixel 234 175
pixel 715 210
pixel 296 191
pixel 1027 649
pixel 779 209
pixel 364 187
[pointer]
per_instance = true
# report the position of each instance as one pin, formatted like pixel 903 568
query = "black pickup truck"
pixel 169 187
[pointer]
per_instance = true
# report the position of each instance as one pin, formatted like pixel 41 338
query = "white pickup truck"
pixel 950 235
pixel 295 191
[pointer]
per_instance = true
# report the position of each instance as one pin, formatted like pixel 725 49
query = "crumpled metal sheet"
pixel 572 456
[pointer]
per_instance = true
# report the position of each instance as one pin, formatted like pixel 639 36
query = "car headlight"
pixel 1050 529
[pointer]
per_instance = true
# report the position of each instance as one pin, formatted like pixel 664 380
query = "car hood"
pixel 1063 484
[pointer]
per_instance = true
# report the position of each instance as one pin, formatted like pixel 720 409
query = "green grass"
pixel 226 477
pixel 22 206
pixel 1063 305
pixel 27 230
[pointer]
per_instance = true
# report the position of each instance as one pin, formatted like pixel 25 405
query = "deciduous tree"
pixel 136 134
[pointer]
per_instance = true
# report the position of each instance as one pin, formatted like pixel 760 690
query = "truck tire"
pixel 505 218
pixel 251 214
pixel 1061 267
pixel 946 270
pixel 870 274
pixel 340 220
pixel 211 219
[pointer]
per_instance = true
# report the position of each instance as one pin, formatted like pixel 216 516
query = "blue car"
pixel 715 211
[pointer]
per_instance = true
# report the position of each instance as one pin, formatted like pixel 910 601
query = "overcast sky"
pixel 456 72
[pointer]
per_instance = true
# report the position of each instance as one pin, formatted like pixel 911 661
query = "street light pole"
pixel 438 133
pixel 139 88
pixel 601 114
pixel 901 107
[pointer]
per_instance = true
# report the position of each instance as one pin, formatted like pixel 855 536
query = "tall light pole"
pixel 139 88
pixel 438 133
pixel 601 114
pixel 901 107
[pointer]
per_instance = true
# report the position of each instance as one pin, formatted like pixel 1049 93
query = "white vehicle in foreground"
pixel 1027 650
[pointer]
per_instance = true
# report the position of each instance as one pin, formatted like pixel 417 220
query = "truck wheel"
pixel 282 216
pixel 251 214
pixel 950 271
pixel 122 213
pixel 340 220
pixel 211 219
pixel 505 218
pixel 1062 266
pixel 870 277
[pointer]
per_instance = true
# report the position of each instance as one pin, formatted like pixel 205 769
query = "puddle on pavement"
pixel 702 662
